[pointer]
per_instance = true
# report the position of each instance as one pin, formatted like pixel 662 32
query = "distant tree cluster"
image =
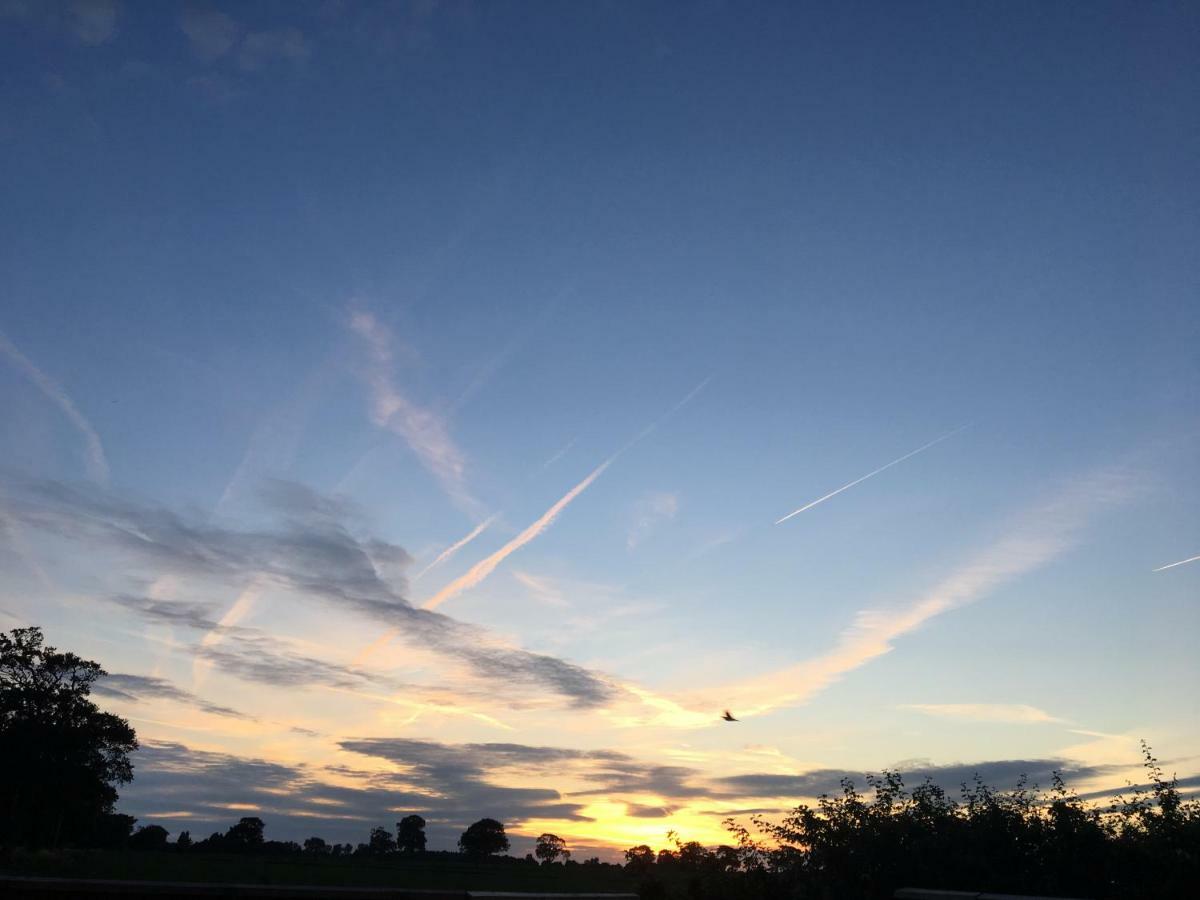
pixel 1023 841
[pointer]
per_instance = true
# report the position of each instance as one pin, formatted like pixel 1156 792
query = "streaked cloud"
pixel 1014 713
pixel 136 688
pixel 425 431
pixel 97 463
pixel 313 554
pixel 1037 538
pixel 883 468
pixel 1181 562
pixel 1002 774
pixel 650 511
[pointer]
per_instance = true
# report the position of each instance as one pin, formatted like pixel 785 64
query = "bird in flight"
pixel 728 717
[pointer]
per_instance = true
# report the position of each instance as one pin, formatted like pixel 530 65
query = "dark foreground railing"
pixel 20 888
pixel 923 894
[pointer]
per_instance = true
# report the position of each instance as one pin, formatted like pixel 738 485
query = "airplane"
pixel 728 717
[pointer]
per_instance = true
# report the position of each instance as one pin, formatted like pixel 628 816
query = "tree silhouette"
pixel 551 847
pixel 184 841
pixel 410 834
pixel 380 843
pixel 639 859
pixel 149 837
pixel 316 846
pixel 245 836
pixel 62 756
pixel 483 838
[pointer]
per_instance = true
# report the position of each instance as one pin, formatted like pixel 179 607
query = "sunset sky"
pixel 408 403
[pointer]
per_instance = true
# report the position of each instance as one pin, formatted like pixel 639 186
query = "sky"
pixel 455 407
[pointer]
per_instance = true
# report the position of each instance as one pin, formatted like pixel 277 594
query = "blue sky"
pixel 440 261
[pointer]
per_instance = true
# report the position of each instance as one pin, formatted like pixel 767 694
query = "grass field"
pixel 434 871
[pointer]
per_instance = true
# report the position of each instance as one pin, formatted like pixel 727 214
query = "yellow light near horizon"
pixel 614 827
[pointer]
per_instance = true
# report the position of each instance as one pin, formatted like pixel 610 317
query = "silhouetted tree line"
pixel 61 759
pixel 1023 841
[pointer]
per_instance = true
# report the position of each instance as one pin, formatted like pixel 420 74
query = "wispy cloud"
pixel 424 431
pixel 135 688
pixel 210 32
pixel 455 547
pixel 543 589
pixel 313 554
pixel 1038 538
pixel 1181 562
pixel 884 468
pixel 97 463
pixel 649 512
pixel 485 567
pixel 1013 713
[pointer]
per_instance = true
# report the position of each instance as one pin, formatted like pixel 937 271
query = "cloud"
pixel 135 688
pixel 1014 713
pixel 1038 538
pixel 465 775
pixel 668 782
pixel 453 784
pixel 883 468
pixel 449 785
pixel 210 32
pixel 313 553
pixel 486 566
pixel 647 812
pixel 97 463
pixel 994 773
pixel 424 431
pixel 649 512
pixel 263 47
pixel 449 552
pixel 543 589
pixel 93 22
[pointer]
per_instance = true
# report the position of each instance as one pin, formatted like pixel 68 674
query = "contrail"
pixel 1174 564
pixel 456 546
pixel 97 464
pixel 485 567
pixel 1038 538
pixel 870 474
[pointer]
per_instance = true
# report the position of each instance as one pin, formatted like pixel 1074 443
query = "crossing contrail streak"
pixel 482 569
pixel 870 474
pixel 485 567
pixel 455 547
pixel 1174 564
